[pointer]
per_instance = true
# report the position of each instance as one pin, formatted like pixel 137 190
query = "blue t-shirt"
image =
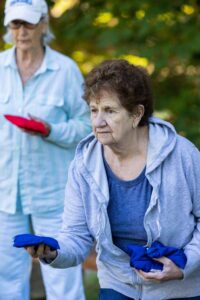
pixel 126 209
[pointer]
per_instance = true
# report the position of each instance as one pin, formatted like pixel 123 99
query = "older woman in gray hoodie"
pixel 133 181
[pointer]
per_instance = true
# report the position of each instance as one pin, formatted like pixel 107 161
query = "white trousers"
pixel 15 263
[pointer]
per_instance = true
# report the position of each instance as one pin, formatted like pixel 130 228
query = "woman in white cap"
pixel 37 83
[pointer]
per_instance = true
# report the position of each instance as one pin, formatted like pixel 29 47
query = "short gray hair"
pixel 47 37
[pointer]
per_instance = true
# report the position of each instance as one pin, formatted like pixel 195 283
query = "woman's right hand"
pixel 41 251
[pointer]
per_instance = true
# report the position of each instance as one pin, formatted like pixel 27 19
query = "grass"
pixel 91 285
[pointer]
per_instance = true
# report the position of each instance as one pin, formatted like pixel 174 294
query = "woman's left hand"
pixel 46 125
pixel 170 272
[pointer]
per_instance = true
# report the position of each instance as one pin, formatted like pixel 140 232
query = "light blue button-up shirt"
pixel 33 170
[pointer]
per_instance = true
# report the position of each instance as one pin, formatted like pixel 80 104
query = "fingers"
pixel 164 260
pixel 32 117
pixel 32 251
pixel 29 131
pixel 47 125
pixel 41 251
pixel 156 276
pixel 37 251
pixel 170 271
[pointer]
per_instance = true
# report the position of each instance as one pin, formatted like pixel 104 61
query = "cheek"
pixel 113 123
pixel 93 125
pixel 92 120
pixel 13 35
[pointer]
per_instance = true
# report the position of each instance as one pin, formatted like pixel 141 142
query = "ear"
pixel 138 114
pixel 44 27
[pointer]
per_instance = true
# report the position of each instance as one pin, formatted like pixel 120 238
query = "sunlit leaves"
pixel 163 36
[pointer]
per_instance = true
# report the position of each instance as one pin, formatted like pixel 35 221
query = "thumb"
pixel 162 259
pixel 32 117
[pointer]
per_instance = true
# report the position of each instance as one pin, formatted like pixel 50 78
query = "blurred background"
pixel 162 36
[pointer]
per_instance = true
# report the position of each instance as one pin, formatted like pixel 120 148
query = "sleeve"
pixel 192 249
pixel 74 238
pixel 68 134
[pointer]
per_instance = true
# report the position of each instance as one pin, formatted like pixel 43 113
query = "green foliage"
pixel 167 33
pixel 91 285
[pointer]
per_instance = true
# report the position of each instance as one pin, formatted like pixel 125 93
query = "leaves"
pixel 166 33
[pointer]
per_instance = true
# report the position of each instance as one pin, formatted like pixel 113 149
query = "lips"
pixel 23 41
pixel 102 132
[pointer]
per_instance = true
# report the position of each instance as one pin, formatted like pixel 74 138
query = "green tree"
pixel 162 35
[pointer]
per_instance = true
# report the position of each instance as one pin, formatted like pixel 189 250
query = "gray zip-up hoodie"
pixel 173 215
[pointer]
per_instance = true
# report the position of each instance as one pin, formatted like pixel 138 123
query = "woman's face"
pixel 26 38
pixel 111 122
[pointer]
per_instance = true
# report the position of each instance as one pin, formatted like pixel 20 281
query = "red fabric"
pixel 27 124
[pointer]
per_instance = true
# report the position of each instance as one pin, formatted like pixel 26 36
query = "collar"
pixel 10 58
pixel 49 62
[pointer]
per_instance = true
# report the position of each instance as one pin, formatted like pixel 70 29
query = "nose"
pixel 22 29
pixel 99 120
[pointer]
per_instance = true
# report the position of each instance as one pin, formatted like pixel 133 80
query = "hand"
pixel 41 251
pixel 170 271
pixel 46 125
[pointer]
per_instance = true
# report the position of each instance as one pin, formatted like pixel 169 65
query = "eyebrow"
pixel 104 107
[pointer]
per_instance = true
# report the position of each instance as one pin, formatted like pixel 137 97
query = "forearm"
pixel 68 134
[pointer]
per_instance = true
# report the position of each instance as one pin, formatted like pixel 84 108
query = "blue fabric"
pixel 21 1
pixel 176 255
pixel 141 258
pixel 127 224
pixel 190 298
pixel 24 240
pixel 109 294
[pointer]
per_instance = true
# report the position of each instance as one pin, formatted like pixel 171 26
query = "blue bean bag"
pixel 25 240
pixel 142 257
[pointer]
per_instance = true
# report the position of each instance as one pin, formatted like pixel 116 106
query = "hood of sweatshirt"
pixel 162 140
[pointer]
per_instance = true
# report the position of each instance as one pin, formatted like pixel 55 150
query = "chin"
pixel 24 46
pixel 105 141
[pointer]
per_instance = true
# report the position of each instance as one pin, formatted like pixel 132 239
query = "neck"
pixel 28 62
pixel 29 57
pixel 133 145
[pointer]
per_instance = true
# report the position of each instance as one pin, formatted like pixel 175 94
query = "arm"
pixel 68 134
pixel 192 249
pixel 74 239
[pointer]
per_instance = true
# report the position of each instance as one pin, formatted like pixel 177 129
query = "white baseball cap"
pixel 30 11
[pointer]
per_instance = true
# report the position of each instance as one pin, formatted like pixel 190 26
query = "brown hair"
pixel 129 82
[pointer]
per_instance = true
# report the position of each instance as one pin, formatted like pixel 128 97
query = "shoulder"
pixel 186 147
pixel 64 61
pixel 4 54
pixel 86 153
pixel 187 154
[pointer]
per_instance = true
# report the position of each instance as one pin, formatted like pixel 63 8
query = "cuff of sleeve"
pixel 53 136
pixel 45 261
pixel 61 261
